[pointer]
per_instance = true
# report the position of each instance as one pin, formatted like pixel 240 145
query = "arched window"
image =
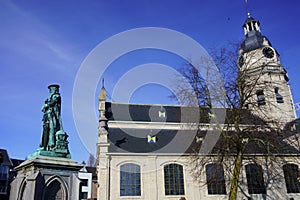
pixel 255 179
pixel 174 181
pixel 291 178
pixel 54 191
pixel 215 179
pixel 279 97
pixel 130 180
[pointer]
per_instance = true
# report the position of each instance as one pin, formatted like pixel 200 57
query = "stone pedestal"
pixel 45 178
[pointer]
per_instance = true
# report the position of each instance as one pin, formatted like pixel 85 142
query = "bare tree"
pixel 249 133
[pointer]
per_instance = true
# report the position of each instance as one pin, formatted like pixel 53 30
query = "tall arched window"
pixel 130 180
pixel 291 178
pixel 215 179
pixel 174 181
pixel 255 179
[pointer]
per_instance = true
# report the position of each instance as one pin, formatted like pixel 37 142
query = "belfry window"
pixel 279 97
pixel 260 97
pixel 250 26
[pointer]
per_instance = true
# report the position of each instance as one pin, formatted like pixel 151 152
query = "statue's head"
pixel 54 88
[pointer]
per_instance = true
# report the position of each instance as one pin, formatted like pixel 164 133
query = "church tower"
pixel 265 87
pixel 102 149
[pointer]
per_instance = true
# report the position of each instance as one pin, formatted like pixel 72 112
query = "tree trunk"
pixel 235 177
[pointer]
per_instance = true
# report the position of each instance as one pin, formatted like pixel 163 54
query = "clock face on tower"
pixel 268 52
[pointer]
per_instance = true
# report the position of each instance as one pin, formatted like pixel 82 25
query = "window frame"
pixel 215 179
pixel 174 186
pixel 261 99
pixel 130 177
pixel 255 179
pixel 291 178
pixel 278 96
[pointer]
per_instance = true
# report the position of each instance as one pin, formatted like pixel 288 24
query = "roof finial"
pixel 102 95
pixel 103 82
pixel 249 15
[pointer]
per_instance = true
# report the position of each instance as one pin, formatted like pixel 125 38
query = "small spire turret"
pixel 102 95
pixel 251 25
pixel 253 37
pixel 101 103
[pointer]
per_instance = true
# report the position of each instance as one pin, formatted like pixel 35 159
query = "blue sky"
pixel 46 42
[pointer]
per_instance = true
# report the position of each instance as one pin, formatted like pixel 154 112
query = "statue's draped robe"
pixel 51 121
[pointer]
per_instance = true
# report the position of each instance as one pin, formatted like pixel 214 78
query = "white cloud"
pixel 25 34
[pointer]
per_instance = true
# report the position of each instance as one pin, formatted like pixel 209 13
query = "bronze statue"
pixel 52 122
pixel 54 140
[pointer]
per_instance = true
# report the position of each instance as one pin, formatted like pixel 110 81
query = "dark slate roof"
pixel 292 128
pixel 253 40
pixel 135 140
pixel 5 158
pixel 176 114
pixel 147 113
pixel 272 144
pixel 296 122
pixel 184 141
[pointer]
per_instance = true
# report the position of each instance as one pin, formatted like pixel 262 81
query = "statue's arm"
pixel 54 100
pixel 45 106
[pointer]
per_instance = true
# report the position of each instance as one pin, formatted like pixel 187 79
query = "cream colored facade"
pixel 152 180
pixel 151 165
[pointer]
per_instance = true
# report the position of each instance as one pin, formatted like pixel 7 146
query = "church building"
pixel 148 151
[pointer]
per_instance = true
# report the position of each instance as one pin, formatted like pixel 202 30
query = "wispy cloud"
pixel 27 35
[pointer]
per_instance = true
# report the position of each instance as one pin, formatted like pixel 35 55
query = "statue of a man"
pixel 52 122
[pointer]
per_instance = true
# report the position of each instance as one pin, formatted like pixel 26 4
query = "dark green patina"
pixel 54 139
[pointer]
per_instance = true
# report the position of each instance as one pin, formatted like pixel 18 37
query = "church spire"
pixel 253 37
pixel 267 81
